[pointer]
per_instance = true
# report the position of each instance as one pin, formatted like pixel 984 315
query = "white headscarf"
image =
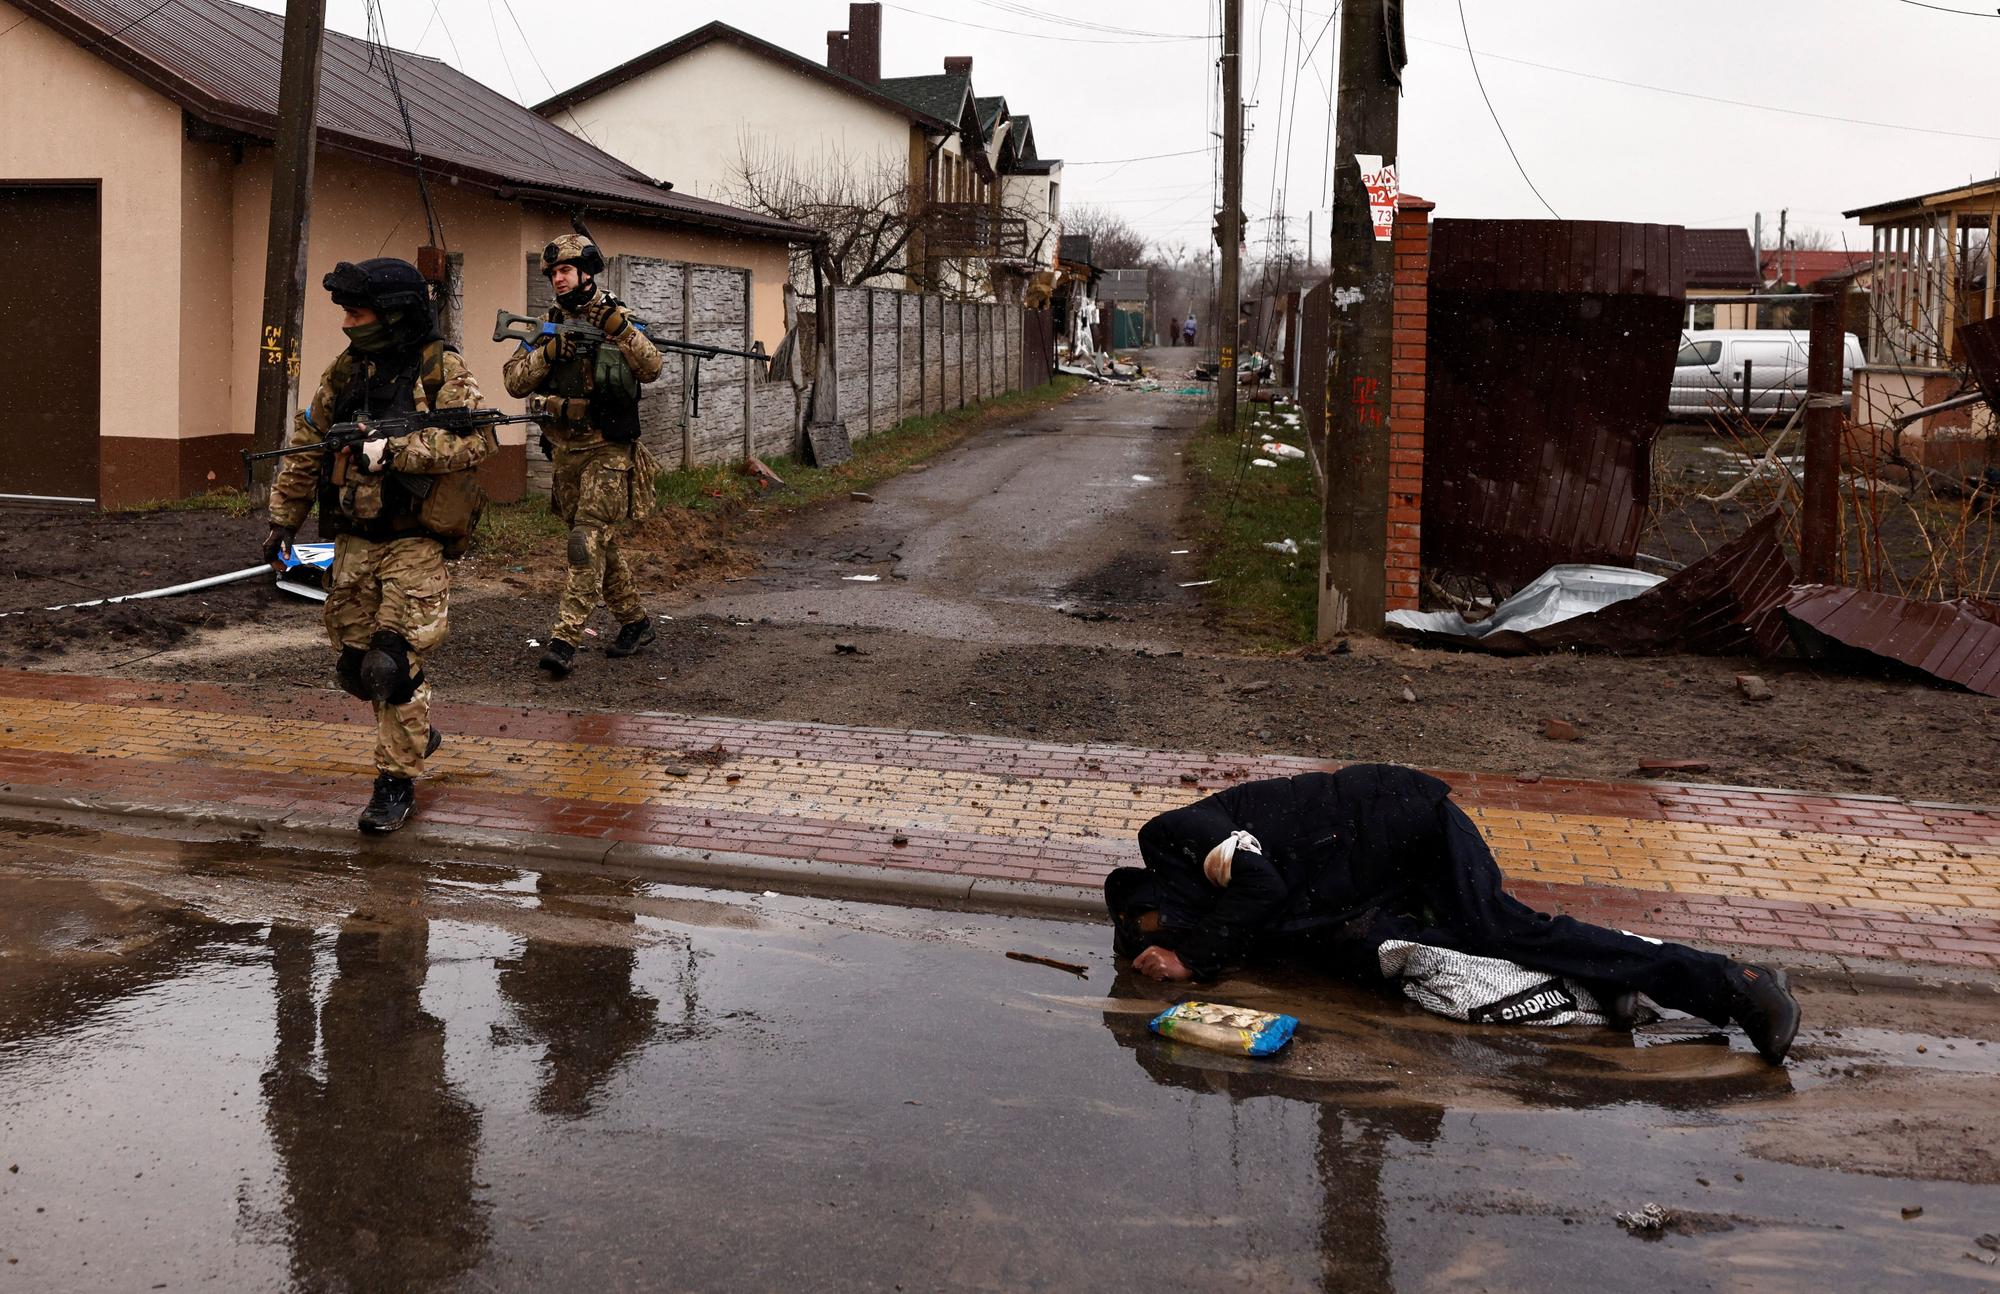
pixel 1217 865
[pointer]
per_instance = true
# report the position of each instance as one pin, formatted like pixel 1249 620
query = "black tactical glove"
pixel 610 319
pixel 278 545
pixel 547 447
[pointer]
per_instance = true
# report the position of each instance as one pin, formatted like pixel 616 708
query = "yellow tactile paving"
pixel 1641 854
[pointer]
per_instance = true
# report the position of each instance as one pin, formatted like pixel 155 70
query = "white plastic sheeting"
pixel 1560 593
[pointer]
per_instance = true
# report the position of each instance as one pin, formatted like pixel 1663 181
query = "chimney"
pixel 864 42
pixel 958 65
pixel 836 52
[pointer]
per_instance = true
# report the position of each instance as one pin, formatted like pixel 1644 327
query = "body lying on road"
pixel 1348 872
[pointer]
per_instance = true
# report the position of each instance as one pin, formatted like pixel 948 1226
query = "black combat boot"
pixel 632 637
pixel 431 746
pixel 389 808
pixel 1766 1009
pixel 558 659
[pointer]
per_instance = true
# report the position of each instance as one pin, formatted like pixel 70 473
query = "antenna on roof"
pixel 576 223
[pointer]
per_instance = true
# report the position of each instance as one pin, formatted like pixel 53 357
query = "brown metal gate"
pixel 1552 347
pixel 1038 347
pixel 48 434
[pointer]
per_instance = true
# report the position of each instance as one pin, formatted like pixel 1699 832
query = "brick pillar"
pixel 1410 341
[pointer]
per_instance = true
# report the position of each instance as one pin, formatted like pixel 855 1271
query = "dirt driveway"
pixel 1027 584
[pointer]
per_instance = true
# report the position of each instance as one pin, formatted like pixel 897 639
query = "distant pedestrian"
pixel 1187 330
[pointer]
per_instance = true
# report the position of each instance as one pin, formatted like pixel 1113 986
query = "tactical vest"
pixel 382 506
pixel 603 384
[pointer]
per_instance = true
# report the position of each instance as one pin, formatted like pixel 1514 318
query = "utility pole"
pixel 1229 221
pixel 291 211
pixel 1354 547
pixel 1782 212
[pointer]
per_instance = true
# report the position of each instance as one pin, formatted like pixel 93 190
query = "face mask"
pixel 585 289
pixel 370 337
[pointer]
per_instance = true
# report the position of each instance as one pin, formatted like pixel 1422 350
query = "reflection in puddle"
pixel 324 1073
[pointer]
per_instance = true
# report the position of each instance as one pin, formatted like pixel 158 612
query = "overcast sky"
pixel 1135 80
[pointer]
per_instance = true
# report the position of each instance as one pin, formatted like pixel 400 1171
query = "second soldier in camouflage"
pixel 603 480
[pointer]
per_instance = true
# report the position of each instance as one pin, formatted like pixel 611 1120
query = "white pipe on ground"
pixel 190 587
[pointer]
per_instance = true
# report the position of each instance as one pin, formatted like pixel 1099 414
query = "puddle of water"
pixel 482 1077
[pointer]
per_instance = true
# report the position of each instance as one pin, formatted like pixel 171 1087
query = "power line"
pixel 1150 157
pixel 1480 81
pixel 1707 98
pixel 553 87
pixel 1082 24
pixel 1963 13
pixel 1036 35
pixel 378 41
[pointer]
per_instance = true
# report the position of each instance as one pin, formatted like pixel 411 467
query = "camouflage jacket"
pixel 442 382
pixel 529 372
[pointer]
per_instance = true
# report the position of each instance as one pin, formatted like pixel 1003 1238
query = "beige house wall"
pixel 70 116
pixel 690 120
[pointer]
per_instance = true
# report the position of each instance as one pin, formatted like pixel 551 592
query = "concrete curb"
pixel 716 869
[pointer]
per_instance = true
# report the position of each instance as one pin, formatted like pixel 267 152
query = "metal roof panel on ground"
pixel 220 61
pixel 1956 641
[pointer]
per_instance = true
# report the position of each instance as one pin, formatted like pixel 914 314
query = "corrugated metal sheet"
pixel 1726 604
pixel 1551 348
pixel 220 62
pixel 1957 641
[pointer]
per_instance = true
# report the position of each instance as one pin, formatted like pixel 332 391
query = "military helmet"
pixel 572 249
pixel 382 284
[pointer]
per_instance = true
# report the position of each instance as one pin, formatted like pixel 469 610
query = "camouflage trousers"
pixel 597 492
pixel 398 586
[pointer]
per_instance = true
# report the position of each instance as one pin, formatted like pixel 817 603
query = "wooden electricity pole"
pixel 1229 221
pixel 291 208
pixel 1354 547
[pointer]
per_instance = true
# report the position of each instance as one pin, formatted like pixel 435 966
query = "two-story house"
pixel 972 206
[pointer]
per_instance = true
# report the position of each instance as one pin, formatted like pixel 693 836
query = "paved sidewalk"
pixel 1850 876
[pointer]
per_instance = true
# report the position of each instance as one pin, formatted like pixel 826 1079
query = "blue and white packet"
pixel 307 571
pixel 1218 1027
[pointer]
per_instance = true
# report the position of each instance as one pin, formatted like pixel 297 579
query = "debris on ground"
pixel 1253 687
pixel 1287 546
pixel 1911 1212
pixel 1081 972
pixel 1262 462
pixel 861 579
pixel 1559 730
pixel 1651 1218
pixel 1279 449
pixel 861 496
pixel 1651 766
pixel 1956 641
pixel 1232 1029
pixel 1723 605
pixel 1754 688
pixel 1409 696
pixel 766 478
pixel 847 649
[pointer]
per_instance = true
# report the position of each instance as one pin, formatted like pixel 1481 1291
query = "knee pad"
pixel 347 672
pixel 385 670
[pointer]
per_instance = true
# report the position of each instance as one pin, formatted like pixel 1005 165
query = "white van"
pixel 1709 371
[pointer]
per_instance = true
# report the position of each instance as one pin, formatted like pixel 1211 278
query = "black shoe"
pixel 557 659
pixel 389 808
pixel 1626 1011
pixel 431 746
pixel 1766 1009
pixel 632 637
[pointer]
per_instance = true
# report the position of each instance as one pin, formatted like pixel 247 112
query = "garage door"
pixel 50 293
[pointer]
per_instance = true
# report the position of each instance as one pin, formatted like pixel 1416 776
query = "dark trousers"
pixel 1458 889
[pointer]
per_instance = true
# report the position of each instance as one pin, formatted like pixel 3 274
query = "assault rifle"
pixel 521 328
pixel 346 435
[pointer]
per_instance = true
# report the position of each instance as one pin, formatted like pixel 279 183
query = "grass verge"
pixel 228 501
pixel 1270 598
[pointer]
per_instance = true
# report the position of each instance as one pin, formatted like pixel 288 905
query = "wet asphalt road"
pixel 1059 528
pixel 227 1066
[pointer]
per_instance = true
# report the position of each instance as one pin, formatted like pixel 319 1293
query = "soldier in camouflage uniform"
pixel 588 401
pixel 387 601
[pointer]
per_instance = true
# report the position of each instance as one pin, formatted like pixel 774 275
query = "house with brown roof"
pixel 717 105
pixel 1720 263
pixel 135 177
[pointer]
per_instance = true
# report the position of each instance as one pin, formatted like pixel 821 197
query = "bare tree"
pixel 862 205
pixel 1114 244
